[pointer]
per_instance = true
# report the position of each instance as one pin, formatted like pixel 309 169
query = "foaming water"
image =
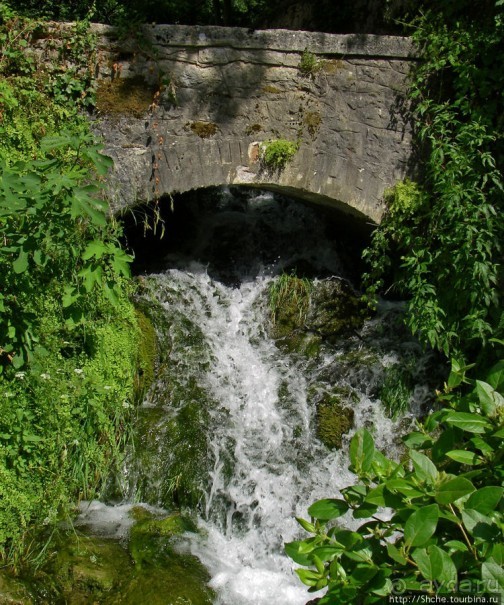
pixel 279 466
pixel 265 462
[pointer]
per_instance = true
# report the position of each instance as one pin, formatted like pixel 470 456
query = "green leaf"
pixel 405 487
pixel 306 525
pixel 96 249
pixel 464 457
pixel 421 525
pixel 472 423
pixel 453 489
pixel 21 263
pixel 480 526
pixel 488 397
pixel 435 564
pixel 495 376
pixel 362 451
pixel 485 500
pixel 429 568
pixel 308 577
pixel 292 549
pixel 328 509
pixel 362 574
pixel 327 553
pixel 425 469
pixel 395 554
pixel 492 575
pixel 365 510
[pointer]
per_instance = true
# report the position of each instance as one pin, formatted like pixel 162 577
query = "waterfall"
pixel 263 462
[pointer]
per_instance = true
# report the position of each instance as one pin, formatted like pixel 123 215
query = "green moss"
pixel 269 89
pixel 147 354
pixel 312 120
pixel 332 65
pixel 146 569
pixel 124 96
pixel 335 417
pixel 204 130
pixel 253 129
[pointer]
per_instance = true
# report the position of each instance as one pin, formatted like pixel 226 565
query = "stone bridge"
pixel 183 108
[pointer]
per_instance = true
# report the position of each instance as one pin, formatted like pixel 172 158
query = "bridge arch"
pixel 217 94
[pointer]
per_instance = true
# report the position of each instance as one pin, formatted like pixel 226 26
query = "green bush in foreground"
pixel 68 331
pixel 444 533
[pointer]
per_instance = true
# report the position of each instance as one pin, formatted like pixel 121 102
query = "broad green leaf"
pixel 308 577
pixel 485 500
pixel 490 400
pixel 327 553
pixel 95 249
pixel 362 451
pixel 456 545
pixel 427 567
pixel 417 439
pixel 453 489
pixel 421 525
pixel 376 496
pixel 492 575
pixel 444 443
pixel 480 526
pixel 364 511
pixel 395 554
pixel 464 457
pixel 424 467
pixel 292 550
pixel 472 423
pixel 362 574
pixel 21 263
pixel 495 376
pixel 328 509
pixel 347 538
pixel 362 553
pixel 403 486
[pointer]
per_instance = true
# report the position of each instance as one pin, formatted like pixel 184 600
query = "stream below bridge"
pixel 229 432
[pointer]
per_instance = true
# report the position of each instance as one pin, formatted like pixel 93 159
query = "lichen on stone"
pixel 204 130
pixel 124 96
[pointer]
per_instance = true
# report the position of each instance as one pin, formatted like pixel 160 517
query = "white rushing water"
pixel 280 467
pixel 266 464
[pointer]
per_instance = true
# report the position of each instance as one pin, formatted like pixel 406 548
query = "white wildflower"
pixel 20 375
pixel 78 371
pixel 45 376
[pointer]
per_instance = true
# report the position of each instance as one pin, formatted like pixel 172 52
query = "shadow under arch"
pixel 238 232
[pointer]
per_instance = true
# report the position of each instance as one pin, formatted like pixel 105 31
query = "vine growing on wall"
pixel 446 232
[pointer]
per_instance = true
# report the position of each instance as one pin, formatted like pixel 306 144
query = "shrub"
pixel 277 153
pixel 444 533
pixel 309 64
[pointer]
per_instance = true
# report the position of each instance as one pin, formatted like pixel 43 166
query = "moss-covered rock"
pixel 147 354
pixel 307 313
pixel 335 309
pixel 335 416
pixel 125 96
pixel 146 568
pixel 13 591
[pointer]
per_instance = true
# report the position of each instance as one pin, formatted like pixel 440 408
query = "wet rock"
pixel 335 416
pixel 335 310
pixel 13 591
